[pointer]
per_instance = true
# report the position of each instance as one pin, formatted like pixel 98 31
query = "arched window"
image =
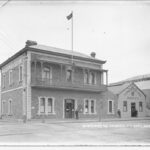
pixel 110 107
pixel 10 107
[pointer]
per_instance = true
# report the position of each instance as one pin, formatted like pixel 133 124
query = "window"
pixel 20 73
pixel 110 107
pixel 10 77
pixel 92 78
pixel 47 74
pixel 86 108
pixel 69 75
pixel 3 107
pixel 92 106
pixel 3 80
pixel 50 105
pixel 42 105
pixel 10 107
pixel 140 106
pixel 46 105
pixel 86 78
pixel 125 106
pixel 89 106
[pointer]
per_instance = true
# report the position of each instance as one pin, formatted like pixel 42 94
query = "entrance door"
pixel 69 108
pixel 133 110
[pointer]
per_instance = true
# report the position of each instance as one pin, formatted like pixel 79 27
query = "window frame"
pixel 50 72
pixel 20 73
pixel 53 105
pixel 10 112
pixel 3 102
pixel 40 105
pixel 108 112
pixel 3 80
pixel 70 74
pixel 92 77
pixel 94 100
pixel 89 106
pixel 125 106
pixel 10 81
pixel 46 112
pixel 86 80
pixel 141 107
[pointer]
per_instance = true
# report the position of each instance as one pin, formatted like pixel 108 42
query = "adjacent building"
pixel 45 81
pixel 126 100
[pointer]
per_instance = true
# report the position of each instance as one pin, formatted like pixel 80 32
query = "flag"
pixel 69 16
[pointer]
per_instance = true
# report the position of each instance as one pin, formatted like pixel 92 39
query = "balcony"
pixel 67 85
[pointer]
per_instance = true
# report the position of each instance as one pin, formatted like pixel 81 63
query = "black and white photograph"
pixel 74 73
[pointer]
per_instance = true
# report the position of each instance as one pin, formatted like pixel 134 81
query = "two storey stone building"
pixel 46 81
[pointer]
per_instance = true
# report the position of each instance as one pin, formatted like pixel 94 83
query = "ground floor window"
pixel 110 107
pixel 140 106
pixel 50 105
pixel 42 105
pixel 86 107
pixel 46 105
pixel 89 106
pixel 125 106
pixel 3 107
pixel 10 107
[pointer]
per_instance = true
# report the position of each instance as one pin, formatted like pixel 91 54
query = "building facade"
pixel 46 81
pixel 126 100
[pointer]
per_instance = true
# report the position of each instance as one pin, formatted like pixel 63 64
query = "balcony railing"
pixel 61 84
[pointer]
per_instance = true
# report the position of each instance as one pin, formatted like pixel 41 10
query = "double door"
pixel 69 108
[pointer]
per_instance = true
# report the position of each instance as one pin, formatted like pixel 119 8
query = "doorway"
pixel 133 110
pixel 69 108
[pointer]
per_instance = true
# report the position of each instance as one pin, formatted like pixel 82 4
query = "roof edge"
pixel 57 53
pixel 13 56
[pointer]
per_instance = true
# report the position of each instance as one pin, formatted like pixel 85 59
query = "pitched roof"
pixel 147 92
pixel 54 50
pixel 135 79
pixel 116 89
pixel 143 84
pixel 63 51
pixel 59 50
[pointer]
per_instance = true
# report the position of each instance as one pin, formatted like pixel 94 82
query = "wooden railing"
pixel 58 83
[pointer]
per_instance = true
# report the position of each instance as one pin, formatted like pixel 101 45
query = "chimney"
pixel 30 43
pixel 93 54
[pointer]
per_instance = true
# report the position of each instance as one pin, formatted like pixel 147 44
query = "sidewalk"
pixel 81 120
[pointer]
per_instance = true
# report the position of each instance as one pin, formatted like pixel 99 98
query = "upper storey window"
pixel 86 77
pixel 20 73
pixel 69 75
pixel 89 77
pixel 47 73
pixel 92 78
pixel 10 77
pixel 3 80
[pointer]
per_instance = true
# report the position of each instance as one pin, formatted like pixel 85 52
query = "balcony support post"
pixel 41 69
pixel 106 77
pixel 61 67
pixel 35 68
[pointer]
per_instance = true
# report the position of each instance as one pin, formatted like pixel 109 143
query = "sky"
pixel 118 31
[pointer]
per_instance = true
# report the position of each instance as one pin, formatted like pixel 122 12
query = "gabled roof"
pixel 52 50
pixel 118 89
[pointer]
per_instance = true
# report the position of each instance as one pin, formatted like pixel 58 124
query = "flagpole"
pixel 72 37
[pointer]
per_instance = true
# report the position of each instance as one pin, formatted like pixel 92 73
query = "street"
pixel 89 133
